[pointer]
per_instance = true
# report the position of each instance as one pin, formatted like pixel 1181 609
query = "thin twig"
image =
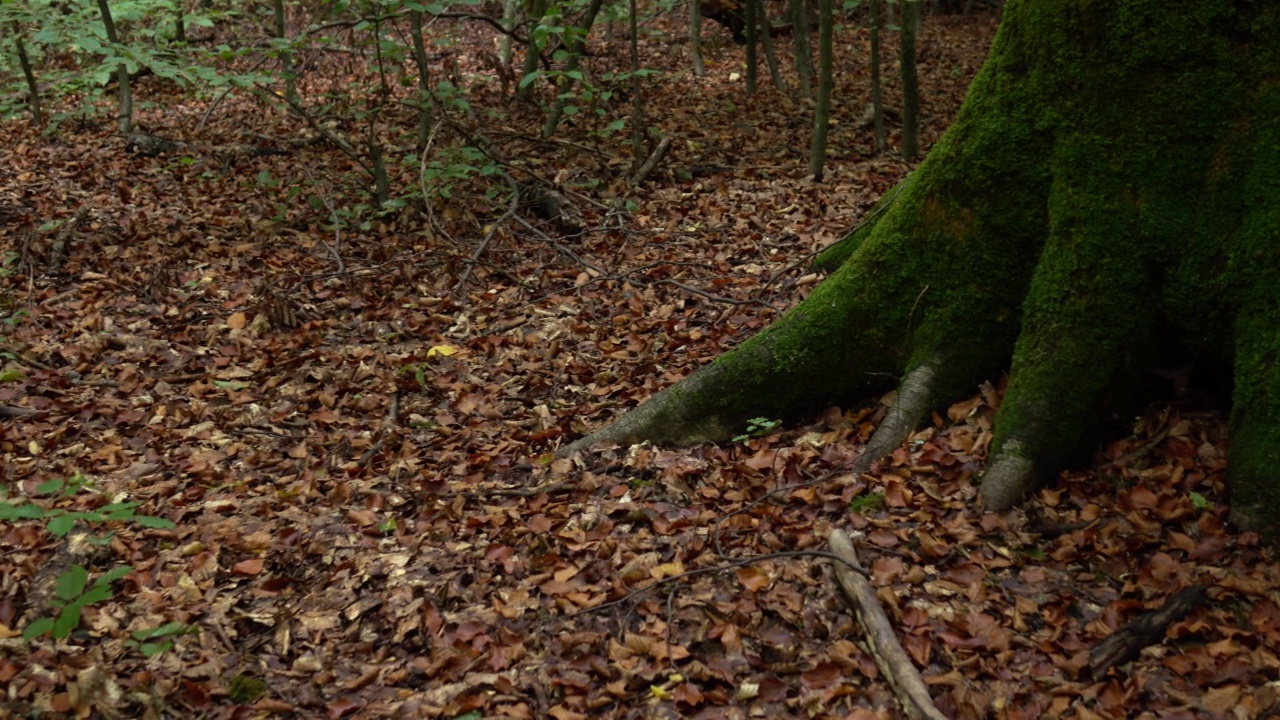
pixel 488 236
pixel 337 222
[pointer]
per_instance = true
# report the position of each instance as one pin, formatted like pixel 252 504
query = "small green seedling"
pixel 153 641
pixel 1199 501
pixel 73 593
pixel 758 427
pixel 245 689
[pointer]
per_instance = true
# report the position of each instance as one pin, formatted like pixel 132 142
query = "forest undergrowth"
pixel 352 426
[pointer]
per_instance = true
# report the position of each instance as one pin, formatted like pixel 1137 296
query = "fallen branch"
pixel 649 164
pixel 890 657
pixel 1148 628
pixel 459 290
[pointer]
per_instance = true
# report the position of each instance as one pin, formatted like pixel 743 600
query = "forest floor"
pixel 352 431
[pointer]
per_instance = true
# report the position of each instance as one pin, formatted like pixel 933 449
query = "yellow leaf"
pixel 667 570
pixel 445 350
pixel 659 692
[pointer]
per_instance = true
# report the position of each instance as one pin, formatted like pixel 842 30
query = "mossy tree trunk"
pixel 1109 194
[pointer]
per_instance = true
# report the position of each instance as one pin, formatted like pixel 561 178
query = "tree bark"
pixel 124 118
pixel 1108 195
pixel 910 84
pixel 822 111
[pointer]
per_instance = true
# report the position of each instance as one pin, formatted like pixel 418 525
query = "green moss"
pixel 1113 178
pixel 245 689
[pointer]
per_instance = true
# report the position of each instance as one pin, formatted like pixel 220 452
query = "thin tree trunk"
pixel 910 86
pixel 577 44
pixel 637 99
pixel 286 58
pixel 33 88
pixel 766 40
pixel 509 10
pixel 822 113
pixel 877 97
pixel 753 34
pixel 124 120
pixel 424 77
pixel 179 24
pixel 532 52
pixel 800 46
pixel 695 37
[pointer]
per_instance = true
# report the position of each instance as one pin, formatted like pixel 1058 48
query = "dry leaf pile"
pixel 358 455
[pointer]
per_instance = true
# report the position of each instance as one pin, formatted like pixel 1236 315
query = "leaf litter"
pixel 369 518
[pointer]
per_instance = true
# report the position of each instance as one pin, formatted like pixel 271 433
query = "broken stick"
pixel 892 659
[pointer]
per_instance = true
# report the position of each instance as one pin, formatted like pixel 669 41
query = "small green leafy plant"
pixel 59 521
pixel 245 689
pixel 153 641
pixel 74 591
pixel 758 427
pixel 1199 501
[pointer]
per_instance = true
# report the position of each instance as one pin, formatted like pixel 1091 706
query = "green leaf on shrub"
pixel 71 583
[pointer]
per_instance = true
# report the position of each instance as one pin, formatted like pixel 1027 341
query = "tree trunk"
pixel 822 111
pixel 800 46
pixel 695 38
pixel 910 85
pixel 33 87
pixel 124 118
pixel 877 99
pixel 1108 195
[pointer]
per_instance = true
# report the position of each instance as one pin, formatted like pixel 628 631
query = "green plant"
pixel 60 521
pixel 419 373
pixel 73 594
pixel 72 33
pixel 758 427
pixel 245 689
pixel 73 590
pixel 153 641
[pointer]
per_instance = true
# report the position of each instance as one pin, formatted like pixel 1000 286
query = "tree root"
pixel 646 422
pixel 1008 479
pixel 916 396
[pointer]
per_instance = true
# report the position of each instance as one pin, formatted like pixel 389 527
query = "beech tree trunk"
pixel 1108 195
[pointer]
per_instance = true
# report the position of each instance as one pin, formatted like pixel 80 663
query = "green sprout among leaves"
pixel 245 689
pixel 153 641
pixel 73 593
pixel 1199 501
pixel 758 427
pixel 73 590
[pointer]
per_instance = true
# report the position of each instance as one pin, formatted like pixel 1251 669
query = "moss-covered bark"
pixel 1110 189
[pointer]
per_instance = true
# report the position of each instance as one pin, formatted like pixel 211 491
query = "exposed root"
pixel 1008 479
pixel 916 396
pixel 659 420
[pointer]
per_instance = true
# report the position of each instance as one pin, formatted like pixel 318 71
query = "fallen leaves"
pixel 370 517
